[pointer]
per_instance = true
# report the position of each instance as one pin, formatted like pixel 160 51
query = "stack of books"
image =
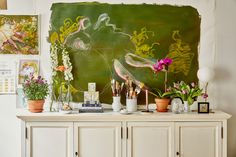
pixel 91 108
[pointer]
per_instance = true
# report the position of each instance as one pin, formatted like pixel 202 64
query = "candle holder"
pixel 147 108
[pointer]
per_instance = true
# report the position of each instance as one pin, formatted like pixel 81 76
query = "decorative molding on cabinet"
pixel 111 134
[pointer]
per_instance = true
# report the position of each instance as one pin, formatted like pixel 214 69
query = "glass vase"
pixel 176 105
pixel 64 99
pixel 53 100
pixel 186 107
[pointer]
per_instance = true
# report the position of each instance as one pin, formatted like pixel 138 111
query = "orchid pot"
pixel 162 104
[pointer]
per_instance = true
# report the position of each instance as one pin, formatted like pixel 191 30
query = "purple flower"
pixel 205 95
pixel 155 66
pixel 40 82
pixel 167 61
pixel 163 63
pixel 176 85
pixel 193 84
pixel 158 67
pixel 31 76
pixel 168 89
pixel 27 84
pixel 184 91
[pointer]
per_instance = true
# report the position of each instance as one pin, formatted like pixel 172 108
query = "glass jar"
pixel 131 105
pixel 64 99
pixel 116 105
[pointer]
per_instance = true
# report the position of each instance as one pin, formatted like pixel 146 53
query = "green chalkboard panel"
pixel 96 33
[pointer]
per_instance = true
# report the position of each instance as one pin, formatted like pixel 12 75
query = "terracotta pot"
pixel 35 105
pixel 162 104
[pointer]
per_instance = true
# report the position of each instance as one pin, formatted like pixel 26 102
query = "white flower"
pixel 54 59
pixel 67 64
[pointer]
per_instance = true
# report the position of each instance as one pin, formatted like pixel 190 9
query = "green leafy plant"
pixel 161 94
pixel 187 92
pixel 35 88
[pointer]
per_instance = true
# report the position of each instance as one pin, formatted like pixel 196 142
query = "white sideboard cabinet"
pixel 94 139
pixel 150 139
pixel 114 135
pixel 199 139
pixel 49 139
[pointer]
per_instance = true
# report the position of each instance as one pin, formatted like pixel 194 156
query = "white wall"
pixel 217 53
pixel 10 131
pixel 9 125
pixel 226 66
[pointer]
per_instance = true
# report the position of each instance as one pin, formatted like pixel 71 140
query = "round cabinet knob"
pixel 177 153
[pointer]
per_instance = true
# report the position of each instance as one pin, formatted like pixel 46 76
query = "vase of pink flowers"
pixel 187 92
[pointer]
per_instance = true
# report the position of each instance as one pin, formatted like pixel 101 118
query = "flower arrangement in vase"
pixel 61 77
pixel 35 90
pixel 187 92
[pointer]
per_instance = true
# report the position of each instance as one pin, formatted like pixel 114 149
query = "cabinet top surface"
pixel 108 115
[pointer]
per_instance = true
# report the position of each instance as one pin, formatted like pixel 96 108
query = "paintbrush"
pixel 117 88
pixel 113 87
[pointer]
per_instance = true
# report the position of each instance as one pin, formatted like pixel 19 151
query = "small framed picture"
pixel 27 67
pixel 91 87
pixel 203 107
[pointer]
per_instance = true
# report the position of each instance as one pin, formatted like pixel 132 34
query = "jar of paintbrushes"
pixel 116 93
pixel 132 92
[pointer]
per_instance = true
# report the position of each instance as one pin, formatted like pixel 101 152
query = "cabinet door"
pixel 97 139
pixel 198 139
pixel 49 139
pixel 150 139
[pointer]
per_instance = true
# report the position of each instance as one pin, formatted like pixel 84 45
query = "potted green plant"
pixel 36 90
pixel 187 92
pixel 162 97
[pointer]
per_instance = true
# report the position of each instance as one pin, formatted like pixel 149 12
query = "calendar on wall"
pixel 7 78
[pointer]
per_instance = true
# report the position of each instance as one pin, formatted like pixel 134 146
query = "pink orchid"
pixel 193 84
pixel 159 66
pixel 205 95
pixel 184 91
pixel 167 61
pixel 176 85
